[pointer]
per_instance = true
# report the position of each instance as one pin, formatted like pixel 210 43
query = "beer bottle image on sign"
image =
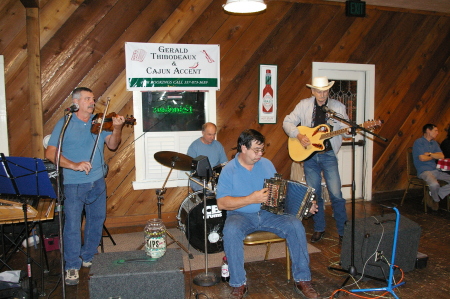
pixel 267 106
pixel 155 238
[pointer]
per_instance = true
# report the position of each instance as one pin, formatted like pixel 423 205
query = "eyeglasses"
pixel 258 150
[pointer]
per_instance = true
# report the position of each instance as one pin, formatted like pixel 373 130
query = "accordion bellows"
pixel 288 197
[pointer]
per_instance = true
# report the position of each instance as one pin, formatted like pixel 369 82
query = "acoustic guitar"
pixel 317 136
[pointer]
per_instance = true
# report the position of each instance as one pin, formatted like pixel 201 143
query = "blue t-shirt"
pixel 421 146
pixel 235 180
pixel 77 146
pixel 214 151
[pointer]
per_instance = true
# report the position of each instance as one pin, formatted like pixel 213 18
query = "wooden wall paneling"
pixel 34 82
pixel 392 54
pixel 66 41
pixel 403 101
pixel 112 63
pixel 104 73
pixel 252 37
pixel 206 26
pixel 100 34
pixel 372 41
pixel 17 85
pixel 11 12
pixel 429 109
pixel 53 14
pixel 390 171
pixel 398 101
pixel 354 38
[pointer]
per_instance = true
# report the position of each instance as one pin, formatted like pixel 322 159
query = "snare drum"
pixel 191 222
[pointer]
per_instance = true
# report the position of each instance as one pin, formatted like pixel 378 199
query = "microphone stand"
pixel 352 271
pixel 59 200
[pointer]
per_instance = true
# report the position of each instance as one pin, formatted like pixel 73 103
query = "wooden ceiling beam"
pixel 31 3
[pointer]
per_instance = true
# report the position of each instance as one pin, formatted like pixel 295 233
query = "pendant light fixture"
pixel 244 6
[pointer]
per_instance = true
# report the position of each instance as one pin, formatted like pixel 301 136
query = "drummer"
pixel 208 146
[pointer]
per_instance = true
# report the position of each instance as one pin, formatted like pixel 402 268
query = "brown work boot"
pixel 239 292
pixel 317 236
pixel 305 289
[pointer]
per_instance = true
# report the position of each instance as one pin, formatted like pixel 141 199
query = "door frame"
pixel 369 109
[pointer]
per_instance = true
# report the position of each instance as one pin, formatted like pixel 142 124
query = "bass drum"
pixel 190 221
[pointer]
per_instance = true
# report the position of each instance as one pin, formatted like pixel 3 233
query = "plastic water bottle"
pixel 225 274
pixel 155 238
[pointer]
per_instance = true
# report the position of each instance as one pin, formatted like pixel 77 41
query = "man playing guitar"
pixel 310 113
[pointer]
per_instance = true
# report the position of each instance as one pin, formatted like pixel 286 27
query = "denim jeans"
pixel 238 225
pixel 326 162
pixel 431 177
pixel 92 198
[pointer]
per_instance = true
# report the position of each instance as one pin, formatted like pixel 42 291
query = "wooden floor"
pixel 267 279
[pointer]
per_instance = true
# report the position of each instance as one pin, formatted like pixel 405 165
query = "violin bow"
pixel 99 131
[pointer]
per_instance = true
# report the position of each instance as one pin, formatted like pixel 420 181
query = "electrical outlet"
pixel 378 256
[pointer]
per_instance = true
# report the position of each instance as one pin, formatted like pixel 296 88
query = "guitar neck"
pixel 332 134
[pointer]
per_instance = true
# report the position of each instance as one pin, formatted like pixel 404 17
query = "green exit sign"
pixel 355 8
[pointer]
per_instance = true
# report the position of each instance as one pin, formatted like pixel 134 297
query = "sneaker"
pixel 72 277
pixel 87 264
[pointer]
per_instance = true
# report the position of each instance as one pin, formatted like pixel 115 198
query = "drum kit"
pixel 198 216
pixel 190 214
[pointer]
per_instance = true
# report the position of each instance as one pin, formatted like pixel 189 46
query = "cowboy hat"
pixel 320 83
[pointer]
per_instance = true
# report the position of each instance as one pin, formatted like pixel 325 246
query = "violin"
pixel 108 122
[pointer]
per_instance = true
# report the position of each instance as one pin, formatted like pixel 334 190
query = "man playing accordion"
pixel 240 191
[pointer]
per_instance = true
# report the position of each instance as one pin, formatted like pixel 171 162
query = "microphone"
pixel 73 108
pixel 326 109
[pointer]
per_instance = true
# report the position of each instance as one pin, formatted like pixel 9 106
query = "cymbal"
pixel 173 159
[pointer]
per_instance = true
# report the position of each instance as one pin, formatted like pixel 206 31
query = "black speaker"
pixel 129 274
pixel 376 234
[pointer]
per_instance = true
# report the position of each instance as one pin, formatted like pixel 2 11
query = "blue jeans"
pixel 92 198
pixel 238 225
pixel 326 162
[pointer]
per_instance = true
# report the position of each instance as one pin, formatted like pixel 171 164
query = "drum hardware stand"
pixel 352 271
pixel 160 194
pixel 206 279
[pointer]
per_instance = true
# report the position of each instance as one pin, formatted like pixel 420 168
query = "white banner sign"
pixel 152 66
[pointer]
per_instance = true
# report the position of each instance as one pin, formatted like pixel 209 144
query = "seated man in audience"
pixel 426 152
pixel 241 191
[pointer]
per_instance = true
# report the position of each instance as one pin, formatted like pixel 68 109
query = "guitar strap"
pixel 318 118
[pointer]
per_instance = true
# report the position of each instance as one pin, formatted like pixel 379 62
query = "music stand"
pixel 21 176
pixel 352 271
pixel 204 171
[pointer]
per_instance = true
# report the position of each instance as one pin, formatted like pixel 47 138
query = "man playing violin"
pixel 84 183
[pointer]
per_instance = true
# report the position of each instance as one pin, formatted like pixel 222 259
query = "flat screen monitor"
pixel 172 111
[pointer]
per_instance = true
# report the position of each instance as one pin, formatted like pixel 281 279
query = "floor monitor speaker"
pixel 130 274
pixel 375 235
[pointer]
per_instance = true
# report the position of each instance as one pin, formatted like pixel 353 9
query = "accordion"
pixel 288 197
